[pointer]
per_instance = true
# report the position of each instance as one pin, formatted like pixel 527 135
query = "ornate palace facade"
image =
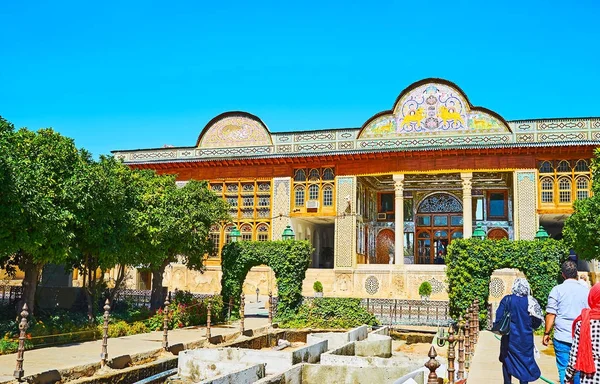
pixel 382 202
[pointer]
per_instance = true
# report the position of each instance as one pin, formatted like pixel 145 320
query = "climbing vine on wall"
pixel 471 262
pixel 289 260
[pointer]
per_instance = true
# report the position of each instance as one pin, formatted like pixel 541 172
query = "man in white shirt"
pixel 564 304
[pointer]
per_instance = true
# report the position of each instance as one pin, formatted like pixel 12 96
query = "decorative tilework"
pixel 346 145
pixel 281 206
pixel 561 136
pixel 526 198
pixel 155 155
pixel 433 109
pixel 371 285
pixel 235 131
pixel 525 138
pixel 235 151
pixel 313 147
pixel 317 136
pixel 345 222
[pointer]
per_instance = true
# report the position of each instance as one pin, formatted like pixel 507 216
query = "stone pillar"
pixel 399 219
pixel 525 203
pixel 467 204
pixel 282 195
pixel 345 222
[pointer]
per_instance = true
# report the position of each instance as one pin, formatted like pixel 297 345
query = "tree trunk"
pixel 90 271
pixel 157 298
pixel 30 281
pixel 118 282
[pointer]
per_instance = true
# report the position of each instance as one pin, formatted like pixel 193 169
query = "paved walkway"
pixel 73 355
pixel 485 367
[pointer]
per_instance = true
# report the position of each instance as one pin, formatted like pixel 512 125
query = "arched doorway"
pixel 497 234
pixel 439 220
pixel 384 246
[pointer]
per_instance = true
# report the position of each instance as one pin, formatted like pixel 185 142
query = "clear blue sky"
pixel 140 74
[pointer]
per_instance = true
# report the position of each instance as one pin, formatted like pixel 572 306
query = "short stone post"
pixel 461 351
pixel 432 365
pixel 208 309
pixel 451 354
pixel 104 354
pixel 165 343
pixel 270 308
pixel 242 304
pixel 467 338
pixel 23 325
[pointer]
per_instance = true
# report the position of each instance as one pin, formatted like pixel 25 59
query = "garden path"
pixel 72 355
pixel 485 367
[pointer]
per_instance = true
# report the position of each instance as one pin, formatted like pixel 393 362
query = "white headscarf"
pixel 521 288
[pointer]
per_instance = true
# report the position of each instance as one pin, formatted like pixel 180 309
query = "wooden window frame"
pixel 489 193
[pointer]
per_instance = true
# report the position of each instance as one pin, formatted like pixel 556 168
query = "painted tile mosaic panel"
pixel 235 131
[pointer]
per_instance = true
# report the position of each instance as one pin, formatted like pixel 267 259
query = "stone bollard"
pixel 104 354
pixel 432 365
pixel 461 350
pixel 23 325
pixel 208 310
pixel 242 304
pixel 165 343
pixel 270 308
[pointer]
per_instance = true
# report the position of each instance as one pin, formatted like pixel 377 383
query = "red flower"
pixel 180 325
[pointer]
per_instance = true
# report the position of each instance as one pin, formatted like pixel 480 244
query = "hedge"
pixel 471 262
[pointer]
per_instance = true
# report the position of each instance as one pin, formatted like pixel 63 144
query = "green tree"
pixel 582 229
pixel 182 218
pixel 39 227
pixel 108 197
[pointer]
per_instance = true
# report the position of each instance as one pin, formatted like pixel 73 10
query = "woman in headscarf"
pixel 585 350
pixel 517 348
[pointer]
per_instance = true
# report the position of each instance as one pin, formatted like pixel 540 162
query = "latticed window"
pixel 246 231
pixel 215 239
pixel 328 174
pixel 248 201
pixel 233 201
pixel 313 192
pixel 564 190
pixel 228 230
pixel 327 196
pixel 300 175
pixel 314 175
pixel 546 167
pixel 547 190
pixel 264 201
pixel 299 196
pixel 582 166
pixel 583 188
pixel 262 232
pixel 563 166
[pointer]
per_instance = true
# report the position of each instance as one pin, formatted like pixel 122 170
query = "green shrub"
pixel 186 310
pixel 288 259
pixel 8 345
pixel 329 312
pixel 318 287
pixel 118 329
pixel 137 327
pixel 425 289
pixel 471 262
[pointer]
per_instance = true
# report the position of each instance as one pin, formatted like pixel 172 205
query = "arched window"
pixel 228 230
pixel 262 232
pixel 583 188
pixel 246 231
pixel 547 190
pixel 564 190
pixel 215 239
pixel 563 166
pixel 299 196
pixel 328 174
pixel 314 175
pixel 327 196
pixel 313 192
pixel 546 167
pixel 300 175
pixel 582 166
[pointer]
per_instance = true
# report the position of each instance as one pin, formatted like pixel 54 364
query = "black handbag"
pixel 502 326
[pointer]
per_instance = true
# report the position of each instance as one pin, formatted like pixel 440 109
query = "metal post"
pixel 23 325
pixel 208 309
pixel 432 365
pixel 165 343
pixel 461 351
pixel 104 354
pixel 467 338
pixel 477 320
pixel 229 310
pixel 242 304
pixel 451 354
pixel 270 308
pixel 473 328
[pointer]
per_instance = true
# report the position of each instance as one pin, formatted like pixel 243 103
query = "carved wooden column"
pixel 467 204
pixel 399 219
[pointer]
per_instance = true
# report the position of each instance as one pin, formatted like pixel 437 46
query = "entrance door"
pixel 385 246
pixel 439 220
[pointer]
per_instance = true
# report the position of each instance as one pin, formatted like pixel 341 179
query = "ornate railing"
pixel 141 297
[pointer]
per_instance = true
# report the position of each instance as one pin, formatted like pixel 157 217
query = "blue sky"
pixel 140 74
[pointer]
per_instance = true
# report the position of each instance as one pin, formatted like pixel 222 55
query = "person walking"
pixel 565 303
pixel 584 356
pixel 517 347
